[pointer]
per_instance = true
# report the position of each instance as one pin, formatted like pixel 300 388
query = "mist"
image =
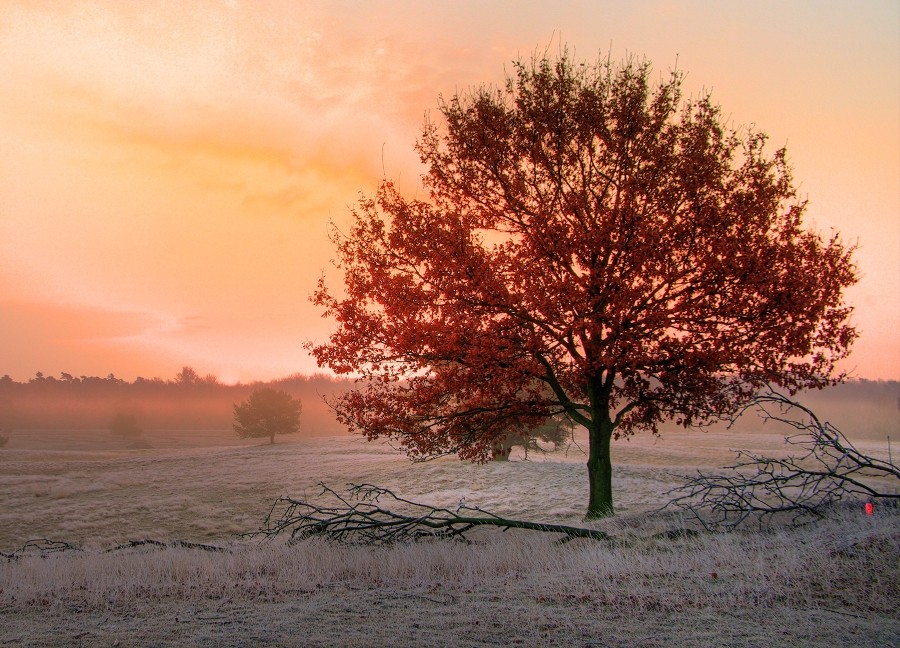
pixel 187 402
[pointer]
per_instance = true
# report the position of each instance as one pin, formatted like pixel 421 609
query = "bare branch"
pixel 359 517
pixel 41 546
pixel 181 544
pixel 762 488
pixel 44 547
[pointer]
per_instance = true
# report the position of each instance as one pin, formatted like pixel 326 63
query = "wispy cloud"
pixel 180 159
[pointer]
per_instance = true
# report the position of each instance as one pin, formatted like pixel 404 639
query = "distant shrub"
pixel 3 440
pixel 555 430
pixel 125 425
pixel 266 413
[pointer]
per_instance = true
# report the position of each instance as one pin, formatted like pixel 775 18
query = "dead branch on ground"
pixel 176 544
pixel 44 547
pixel 40 546
pixel 359 517
pixel 800 488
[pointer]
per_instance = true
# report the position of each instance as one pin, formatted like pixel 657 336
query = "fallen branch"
pixel 179 544
pixel 42 546
pixel 801 488
pixel 360 517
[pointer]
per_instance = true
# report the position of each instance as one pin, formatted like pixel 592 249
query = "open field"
pixel 835 582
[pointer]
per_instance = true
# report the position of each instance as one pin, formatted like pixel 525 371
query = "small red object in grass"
pixel 870 508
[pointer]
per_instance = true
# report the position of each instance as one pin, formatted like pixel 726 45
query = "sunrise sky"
pixel 168 169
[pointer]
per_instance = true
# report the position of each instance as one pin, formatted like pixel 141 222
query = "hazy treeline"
pixel 861 408
pixel 189 401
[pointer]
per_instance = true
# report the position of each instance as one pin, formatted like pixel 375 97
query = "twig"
pixel 849 614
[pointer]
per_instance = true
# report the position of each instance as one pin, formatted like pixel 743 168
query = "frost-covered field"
pixel 834 582
pixel 88 487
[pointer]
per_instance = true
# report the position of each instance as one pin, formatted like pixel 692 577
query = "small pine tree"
pixel 266 413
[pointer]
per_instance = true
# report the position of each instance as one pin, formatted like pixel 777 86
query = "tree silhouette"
pixel 187 376
pixel 125 425
pixel 267 412
pixel 591 245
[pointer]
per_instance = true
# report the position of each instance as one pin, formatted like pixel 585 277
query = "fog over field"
pixel 98 491
pixel 542 236
pixel 209 486
pixel 90 486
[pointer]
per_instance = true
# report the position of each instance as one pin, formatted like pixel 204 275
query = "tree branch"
pixel 42 546
pixel 359 517
pixel 762 488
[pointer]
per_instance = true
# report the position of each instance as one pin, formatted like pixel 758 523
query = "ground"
pixel 833 583
pixel 395 618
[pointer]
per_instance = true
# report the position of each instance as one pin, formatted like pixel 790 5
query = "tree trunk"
pixel 500 450
pixel 599 465
pixel 271 438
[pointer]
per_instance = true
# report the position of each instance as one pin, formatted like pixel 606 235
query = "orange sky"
pixel 168 169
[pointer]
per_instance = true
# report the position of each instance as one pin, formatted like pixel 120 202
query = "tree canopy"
pixel 267 412
pixel 591 244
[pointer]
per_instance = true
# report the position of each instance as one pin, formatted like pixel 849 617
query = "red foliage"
pixel 590 245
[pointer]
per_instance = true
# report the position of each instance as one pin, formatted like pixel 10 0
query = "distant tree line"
pixel 187 401
pixel 190 400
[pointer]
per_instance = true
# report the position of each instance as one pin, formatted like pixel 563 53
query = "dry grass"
pixel 836 582
pixel 822 581
pixel 848 561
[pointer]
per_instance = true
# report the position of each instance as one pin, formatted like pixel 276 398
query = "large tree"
pixel 593 245
pixel 267 412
